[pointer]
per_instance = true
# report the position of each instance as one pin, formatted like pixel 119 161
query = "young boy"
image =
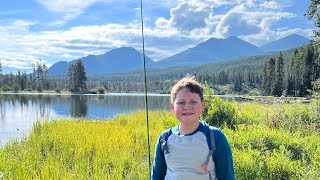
pixel 186 152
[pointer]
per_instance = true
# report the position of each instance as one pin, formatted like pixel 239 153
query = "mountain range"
pixel 117 60
pixel 127 59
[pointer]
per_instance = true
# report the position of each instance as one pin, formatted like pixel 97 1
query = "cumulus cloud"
pixel 235 24
pixel 239 18
pixel 17 60
pixel 70 43
pixel 188 16
pixel 242 20
pixel 190 22
pixel 270 5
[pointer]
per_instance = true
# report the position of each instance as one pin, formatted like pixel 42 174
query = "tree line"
pixel 292 73
pixel 39 80
pixel 289 73
pixel 295 79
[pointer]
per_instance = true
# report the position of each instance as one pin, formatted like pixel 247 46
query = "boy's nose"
pixel 187 106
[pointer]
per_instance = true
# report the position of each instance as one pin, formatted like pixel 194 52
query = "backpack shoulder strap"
pixel 212 148
pixel 164 139
pixel 212 140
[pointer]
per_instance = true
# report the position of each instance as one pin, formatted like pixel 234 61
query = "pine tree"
pixel 313 13
pixel 265 79
pixel 279 75
pixel 81 75
pixel 271 75
pixel 71 83
pixel 77 77
pixel 238 78
pixel 0 74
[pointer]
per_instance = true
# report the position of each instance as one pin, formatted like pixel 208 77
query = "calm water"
pixel 18 112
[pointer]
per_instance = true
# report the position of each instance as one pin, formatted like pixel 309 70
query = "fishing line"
pixel 145 89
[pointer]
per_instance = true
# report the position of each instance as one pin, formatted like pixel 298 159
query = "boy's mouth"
pixel 187 114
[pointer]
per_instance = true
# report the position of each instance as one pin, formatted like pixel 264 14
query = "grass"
pixel 278 141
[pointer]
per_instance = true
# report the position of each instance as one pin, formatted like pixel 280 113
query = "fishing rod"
pixel 145 89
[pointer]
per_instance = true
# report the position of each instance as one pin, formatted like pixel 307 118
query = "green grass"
pixel 279 141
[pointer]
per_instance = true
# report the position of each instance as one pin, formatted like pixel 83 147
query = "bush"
pixel 28 89
pixel 7 88
pixel 101 90
pixel 220 112
pixel 39 88
pixel 15 88
pixel 58 90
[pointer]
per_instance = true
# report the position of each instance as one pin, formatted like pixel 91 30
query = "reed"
pixel 278 141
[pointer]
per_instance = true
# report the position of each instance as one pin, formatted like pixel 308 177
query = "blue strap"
pixel 163 141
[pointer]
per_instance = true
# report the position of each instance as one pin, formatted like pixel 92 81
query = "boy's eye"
pixel 180 102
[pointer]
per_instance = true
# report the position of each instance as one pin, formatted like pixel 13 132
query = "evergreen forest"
pixel 290 73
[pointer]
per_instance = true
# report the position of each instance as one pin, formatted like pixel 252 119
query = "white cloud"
pixel 190 22
pixel 69 9
pixel 236 23
pixel 187 16
pixel 243 20
pixel 270 5
pixel 17 60
pixel 67 6
pixel 244 17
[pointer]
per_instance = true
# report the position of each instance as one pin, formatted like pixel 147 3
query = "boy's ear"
pixel 203 103
pixel 172 106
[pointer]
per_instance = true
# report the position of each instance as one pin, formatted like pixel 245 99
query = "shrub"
pixel 101 90
pixel 221 112
pixel 28 89
pixel 39 88
pixel 58 90
pixel 15 88
pixel 7 88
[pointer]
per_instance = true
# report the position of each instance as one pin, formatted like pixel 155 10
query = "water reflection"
pixel 78 106
pixel 18 112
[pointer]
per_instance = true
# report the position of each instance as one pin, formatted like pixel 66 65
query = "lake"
pixel 18 112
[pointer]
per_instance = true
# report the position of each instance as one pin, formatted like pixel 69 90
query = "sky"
pixel 64 30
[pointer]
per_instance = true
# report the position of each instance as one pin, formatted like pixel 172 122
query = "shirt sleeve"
pixel 159 164
pixel 223 157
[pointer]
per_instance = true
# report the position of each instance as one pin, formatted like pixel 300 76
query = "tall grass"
pixel 279 141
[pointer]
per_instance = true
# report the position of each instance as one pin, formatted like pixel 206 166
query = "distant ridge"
pixel 126 59
pixel 288 42
pixel 211 50
pixel 117 60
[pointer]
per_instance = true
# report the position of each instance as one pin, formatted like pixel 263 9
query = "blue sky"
pixel 64 30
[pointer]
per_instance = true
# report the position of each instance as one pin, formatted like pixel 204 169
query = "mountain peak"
pixel 116 60
pixel 233 38
pixel 211 50
pixel 285 43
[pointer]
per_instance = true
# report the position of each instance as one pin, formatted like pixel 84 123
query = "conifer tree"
pixel 313 13
pixel 0 74
pixel 265 79
pixel 77 77
pixel 271 75
pixel 279 75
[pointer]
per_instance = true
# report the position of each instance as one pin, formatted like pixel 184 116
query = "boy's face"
pixel 187 106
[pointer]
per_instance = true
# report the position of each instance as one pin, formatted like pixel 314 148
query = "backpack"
pixel 212 146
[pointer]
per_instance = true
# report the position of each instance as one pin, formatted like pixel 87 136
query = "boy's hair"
pixel 190 83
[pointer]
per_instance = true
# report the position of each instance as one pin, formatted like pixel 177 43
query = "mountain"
pixel 288 42
pixel 60 67
pixel 211 50
pixel 117 60
pixel 127 59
